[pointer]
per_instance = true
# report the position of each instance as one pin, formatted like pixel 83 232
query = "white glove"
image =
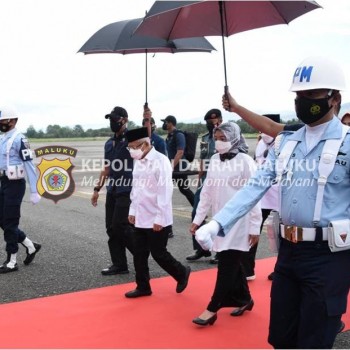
pixel 207 233
pixel 35 198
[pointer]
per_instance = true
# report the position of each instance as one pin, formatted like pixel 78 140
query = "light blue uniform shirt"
pixel 19 153
pixel 299 194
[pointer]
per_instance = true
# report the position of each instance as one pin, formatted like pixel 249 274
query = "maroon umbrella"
pixel 184 19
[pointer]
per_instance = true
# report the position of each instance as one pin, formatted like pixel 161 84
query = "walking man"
pixel 118 173
pixel 176 144
pixel 311 282
pixel 16 162
pixel 151 213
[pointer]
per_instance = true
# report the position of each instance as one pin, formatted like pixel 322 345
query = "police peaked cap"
pixel 275 117
pixel 136 134
pixel 117 112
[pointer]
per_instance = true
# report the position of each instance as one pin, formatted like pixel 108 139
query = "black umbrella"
pixel 118 38
pixel 184 19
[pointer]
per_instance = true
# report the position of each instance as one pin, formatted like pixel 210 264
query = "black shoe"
pixel 5 269
pixel 210 321
pixel 240 310
pixel 30 257
pixel 198 254
pixel 171 234
pixel 270 276
pixel 214 260
pixel 341 326
pixel 136 293
pixel 113 270
pixel 6 261
pixel 181 286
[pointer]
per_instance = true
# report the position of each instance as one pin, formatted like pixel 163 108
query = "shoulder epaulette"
pixel 279 138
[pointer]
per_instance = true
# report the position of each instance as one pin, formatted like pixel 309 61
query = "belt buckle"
pixel 290 233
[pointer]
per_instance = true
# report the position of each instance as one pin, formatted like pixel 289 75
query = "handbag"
pixel 339 235
pixel 13 172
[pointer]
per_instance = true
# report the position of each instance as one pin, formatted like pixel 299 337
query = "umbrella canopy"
pixel 183 19
pixel 118 38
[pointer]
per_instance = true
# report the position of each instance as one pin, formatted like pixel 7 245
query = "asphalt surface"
pixel 74 242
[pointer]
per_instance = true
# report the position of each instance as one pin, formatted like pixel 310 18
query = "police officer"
pixel 311 283
pixel 16 161
pixel 118 173
pixel 157 141
pixel 176 144
pixel 213 118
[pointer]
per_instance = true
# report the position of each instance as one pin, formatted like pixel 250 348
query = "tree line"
pixel 56 131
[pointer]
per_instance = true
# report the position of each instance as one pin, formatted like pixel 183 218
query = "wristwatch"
pixel 97 189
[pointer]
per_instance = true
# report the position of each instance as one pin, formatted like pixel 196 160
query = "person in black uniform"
pixel 157 141
pixel 212 118
pixel 176 144
pixel 118 173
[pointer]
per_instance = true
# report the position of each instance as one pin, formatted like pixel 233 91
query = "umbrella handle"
pixel 226 96
pixel 145 106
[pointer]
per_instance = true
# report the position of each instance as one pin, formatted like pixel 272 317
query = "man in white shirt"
pixel 151 213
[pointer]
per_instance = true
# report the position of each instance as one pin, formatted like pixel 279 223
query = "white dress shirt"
pixel 223 180
pixel 152 191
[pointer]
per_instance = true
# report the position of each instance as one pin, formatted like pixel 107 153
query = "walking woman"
pixel 229 169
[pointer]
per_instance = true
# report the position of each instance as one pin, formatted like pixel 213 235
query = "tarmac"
pixel 74 241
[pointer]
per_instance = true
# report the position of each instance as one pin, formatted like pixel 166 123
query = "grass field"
pixel 100 138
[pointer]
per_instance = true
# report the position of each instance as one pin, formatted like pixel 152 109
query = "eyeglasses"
pixel 136 147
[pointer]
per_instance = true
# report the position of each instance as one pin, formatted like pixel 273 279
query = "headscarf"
pixel 234 135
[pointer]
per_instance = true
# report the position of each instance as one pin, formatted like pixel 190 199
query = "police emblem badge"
pixel 55 180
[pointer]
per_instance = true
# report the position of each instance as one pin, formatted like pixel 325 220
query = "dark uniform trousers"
pixel 118 229
pixel 11 196
pixel 231 289
pixel 149 242
pixel 308 295
pixel 183 183
pixel 248 259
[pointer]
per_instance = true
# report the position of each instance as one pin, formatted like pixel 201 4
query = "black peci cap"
pixel 136 134
pixel 170 119
pixel 117 112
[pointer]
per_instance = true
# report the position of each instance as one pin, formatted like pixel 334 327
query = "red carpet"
pixel 104 318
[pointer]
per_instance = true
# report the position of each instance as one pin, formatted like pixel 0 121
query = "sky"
pixel 48 82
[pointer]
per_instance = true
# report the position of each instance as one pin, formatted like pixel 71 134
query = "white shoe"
pixel 250 278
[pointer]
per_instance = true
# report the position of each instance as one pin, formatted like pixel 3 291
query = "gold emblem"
pixel 55 181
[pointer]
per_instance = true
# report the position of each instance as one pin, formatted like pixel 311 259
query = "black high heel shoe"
pixel 240 310
pixel 210 321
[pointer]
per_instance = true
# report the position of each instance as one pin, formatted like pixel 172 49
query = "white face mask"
pixel 266 138
pixel 136 153
pixel 223 146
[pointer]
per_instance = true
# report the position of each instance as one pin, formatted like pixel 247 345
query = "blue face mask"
pixel 311 110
